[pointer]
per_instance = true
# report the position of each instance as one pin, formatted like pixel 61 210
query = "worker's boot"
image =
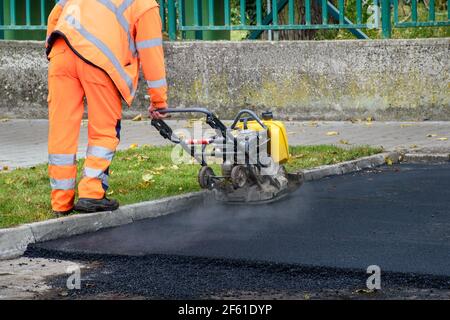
pixel 85 205
pixel 62 213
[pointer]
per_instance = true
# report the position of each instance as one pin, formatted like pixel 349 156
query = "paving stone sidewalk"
pixel 23 143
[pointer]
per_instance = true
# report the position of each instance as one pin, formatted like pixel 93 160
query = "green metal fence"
pixel 24 19
pixel 430 21
pixel 378 14
pixel 184 17
pixel 25 14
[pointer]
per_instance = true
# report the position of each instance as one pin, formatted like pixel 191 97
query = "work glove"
pixel 154 114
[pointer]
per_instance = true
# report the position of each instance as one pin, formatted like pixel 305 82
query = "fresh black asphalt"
pixel 315 245
pixel 395 217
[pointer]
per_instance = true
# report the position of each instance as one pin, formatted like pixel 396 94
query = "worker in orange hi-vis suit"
pixel 95 48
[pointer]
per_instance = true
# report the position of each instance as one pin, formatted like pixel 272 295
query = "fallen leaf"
pixel 313 124
pixel 147 177
pixel 389 161
pixel 297 156
pixel 365 291
pixel 369 119
pixel 413 146
pixel 110 193
pixel 405 125
pixel 332 133
pixel 306 297
pixel 343 141
pixel 137 118
pixel 431 135
pixel 4 120
pixel 64 294
pixel 442 139
pixel 5 168
pixel 133 146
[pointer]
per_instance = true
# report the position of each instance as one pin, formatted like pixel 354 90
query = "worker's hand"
pixel 154 114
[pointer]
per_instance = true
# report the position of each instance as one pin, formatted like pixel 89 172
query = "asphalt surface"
pixel 321 239
pixel 397 218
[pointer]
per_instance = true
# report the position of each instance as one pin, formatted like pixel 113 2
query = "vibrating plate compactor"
pixel 251 154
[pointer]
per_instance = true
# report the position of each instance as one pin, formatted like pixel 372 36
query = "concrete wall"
pixel 387 80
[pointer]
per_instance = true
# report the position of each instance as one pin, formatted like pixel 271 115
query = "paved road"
pixel 395 217
pixel 24 142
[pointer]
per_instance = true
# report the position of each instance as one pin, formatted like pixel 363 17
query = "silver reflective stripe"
pixel 65 184
pixel 62 159
pixel 103 48
pixel 100 152
pixel 157 83
pixel 62 2
pixel 105 180
pixel 122 8
pixel 125 5
pixel 93 173
pixel 122 21
pixel 151 43
pixel 96 174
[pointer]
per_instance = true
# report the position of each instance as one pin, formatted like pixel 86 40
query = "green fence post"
pixel 43 13
pixel 162 13
pixel 431 14
pixel 386 27
pixel 172 20
pixel 308 12
pixel 324 12
pixel 243 15
pixel 258 13
pixel 2 22
pixel 227 12
pixel 211 12
pixel 448 9
pixel 358 11
pixel 28 12
pixel 204 19
pixel 414 10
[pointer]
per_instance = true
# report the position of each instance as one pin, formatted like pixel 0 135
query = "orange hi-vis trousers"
pixel 71 80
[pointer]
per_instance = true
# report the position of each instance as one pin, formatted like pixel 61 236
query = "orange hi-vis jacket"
pixel 115 36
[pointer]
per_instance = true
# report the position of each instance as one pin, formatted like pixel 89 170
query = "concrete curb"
pixel 14 241
pixel 351 166
pixel 426 158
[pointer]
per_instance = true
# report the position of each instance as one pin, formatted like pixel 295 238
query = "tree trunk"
pixel 316 18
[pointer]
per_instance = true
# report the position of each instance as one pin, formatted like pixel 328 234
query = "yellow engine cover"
pixel 278 144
